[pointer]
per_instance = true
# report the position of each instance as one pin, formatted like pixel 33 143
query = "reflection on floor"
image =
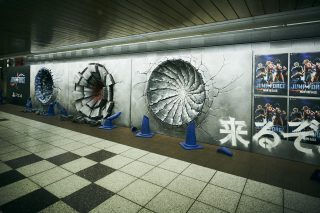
pixel 51 169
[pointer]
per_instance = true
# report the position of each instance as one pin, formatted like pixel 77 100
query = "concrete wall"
pixel 227 71
pixel 63 76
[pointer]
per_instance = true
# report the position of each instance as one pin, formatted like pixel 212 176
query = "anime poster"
pixel 304 118
pixel 270 114
pixel 305 74
pixel 271 74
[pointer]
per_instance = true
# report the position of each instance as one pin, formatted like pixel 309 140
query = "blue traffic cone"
pixel 51 109
pixel 225 150
pixel 145 129
pixel 63 111
pixel 108 121
pixel 28 106
pixel 191 141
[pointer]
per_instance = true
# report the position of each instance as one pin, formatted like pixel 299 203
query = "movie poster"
pixel 305 74
pixel 304 118
pixel 271 74
pixel 270 114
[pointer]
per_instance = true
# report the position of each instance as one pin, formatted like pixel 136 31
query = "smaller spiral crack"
pixel 44 86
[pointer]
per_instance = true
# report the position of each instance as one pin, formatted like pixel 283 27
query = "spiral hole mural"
pixel 176 92
pixel 93 92
pixel 44 86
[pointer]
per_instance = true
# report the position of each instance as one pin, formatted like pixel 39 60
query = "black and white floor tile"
pixel 44 168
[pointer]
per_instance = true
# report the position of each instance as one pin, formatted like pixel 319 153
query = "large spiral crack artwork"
pixel 176 92
pixel 93 92
pixel 44 86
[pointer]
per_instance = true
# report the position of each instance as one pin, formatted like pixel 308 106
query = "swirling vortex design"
pixel 176 92
pixel 93 91
pixel 44 86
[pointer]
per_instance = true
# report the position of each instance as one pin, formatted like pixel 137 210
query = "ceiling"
pixel 33 25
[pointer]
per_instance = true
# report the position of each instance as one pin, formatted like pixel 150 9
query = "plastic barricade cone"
pixel 225 150
pixel 51 109
pixel 108 121
pixel 191 141
pixel 145 129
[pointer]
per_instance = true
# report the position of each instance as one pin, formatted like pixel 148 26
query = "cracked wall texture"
pixel 176 92
pixel 64 73
pixel 44 86
pixel 93 91
pixel 224 66
pixel 225 63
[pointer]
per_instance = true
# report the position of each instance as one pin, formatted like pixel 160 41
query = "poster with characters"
pixel 270 114
pixel 271 74
pixel 304 118
pixel 305 74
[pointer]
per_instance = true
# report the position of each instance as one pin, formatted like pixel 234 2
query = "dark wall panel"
pixel 18 84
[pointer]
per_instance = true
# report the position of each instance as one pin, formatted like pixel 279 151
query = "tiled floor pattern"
pixel 50 169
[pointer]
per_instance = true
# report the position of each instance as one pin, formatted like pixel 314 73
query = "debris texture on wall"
pixel 93 92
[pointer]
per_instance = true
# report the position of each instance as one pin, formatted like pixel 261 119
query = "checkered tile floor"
pixel 50 169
